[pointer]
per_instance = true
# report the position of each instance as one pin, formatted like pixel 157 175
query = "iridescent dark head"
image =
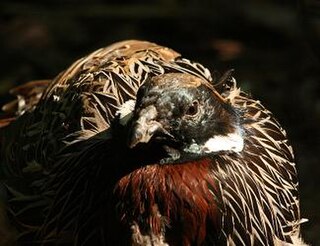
pixel 186 111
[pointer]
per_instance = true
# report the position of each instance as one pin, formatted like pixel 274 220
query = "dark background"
pixel 273 45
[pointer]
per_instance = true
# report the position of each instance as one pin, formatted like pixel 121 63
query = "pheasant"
pixel 136 145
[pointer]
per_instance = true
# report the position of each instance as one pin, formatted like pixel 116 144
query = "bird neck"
pixel 159 200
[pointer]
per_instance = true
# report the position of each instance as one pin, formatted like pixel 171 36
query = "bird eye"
pixel 193 108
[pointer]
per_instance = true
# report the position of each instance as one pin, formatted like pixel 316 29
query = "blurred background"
pixel 274 47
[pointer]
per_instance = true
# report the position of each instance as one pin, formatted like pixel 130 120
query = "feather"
pixel 71 177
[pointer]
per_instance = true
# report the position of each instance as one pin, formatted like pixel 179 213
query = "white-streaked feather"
pixel 125 111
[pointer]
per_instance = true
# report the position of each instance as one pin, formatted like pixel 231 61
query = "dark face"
pixel 182 112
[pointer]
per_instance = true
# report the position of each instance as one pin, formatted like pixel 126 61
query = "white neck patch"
pixel 232 142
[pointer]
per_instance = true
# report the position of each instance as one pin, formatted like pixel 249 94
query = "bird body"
pixel 135 145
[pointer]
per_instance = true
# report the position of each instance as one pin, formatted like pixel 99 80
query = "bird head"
pixel 186 115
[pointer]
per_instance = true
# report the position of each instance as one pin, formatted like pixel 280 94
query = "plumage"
pixel 135 145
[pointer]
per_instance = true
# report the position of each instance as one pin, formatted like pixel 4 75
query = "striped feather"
pixel 58 149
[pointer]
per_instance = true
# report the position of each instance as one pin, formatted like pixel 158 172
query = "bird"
pixel 134 144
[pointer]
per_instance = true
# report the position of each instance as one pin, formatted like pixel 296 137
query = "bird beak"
pixel 144 128
pixel 143 132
